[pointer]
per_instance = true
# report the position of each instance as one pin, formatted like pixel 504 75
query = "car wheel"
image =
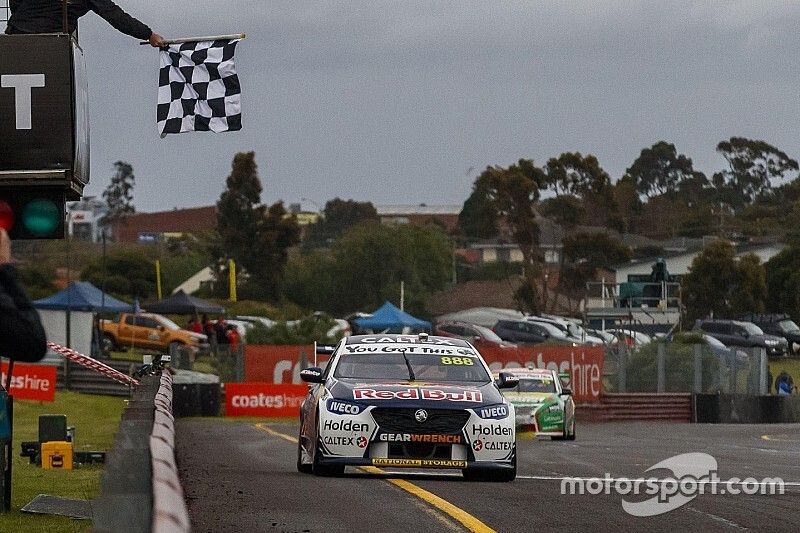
pixel 304 468
pixel 492 474
pixel 108 344
pixel 319 469
pixel 571 434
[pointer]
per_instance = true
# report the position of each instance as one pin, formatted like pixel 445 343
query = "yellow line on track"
pixel 456 513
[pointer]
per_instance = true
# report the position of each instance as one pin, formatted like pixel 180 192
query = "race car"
pixel 407 401
pixel 543 405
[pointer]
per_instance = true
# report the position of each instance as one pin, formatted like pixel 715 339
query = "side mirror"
pixel 566 392
pixel 506 380
pixel 311 375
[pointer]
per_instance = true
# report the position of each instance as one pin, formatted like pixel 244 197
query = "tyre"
pixel 319 469
pixel 108 344
pixel 571 434
pixel 304 468
pixel 499 475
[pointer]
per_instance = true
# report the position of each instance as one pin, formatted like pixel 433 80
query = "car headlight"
pixel 770 342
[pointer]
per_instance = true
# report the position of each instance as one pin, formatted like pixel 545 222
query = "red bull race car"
pixel 407 401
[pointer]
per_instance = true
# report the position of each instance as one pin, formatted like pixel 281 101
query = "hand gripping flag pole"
pixel 198 87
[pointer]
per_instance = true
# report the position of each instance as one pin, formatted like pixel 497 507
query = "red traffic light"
pixel 6 216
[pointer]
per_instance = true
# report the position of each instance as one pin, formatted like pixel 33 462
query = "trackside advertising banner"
pixel 31 382
pixel 282 364
pixel 264 399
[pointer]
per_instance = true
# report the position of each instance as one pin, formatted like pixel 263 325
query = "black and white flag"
pixel 198 88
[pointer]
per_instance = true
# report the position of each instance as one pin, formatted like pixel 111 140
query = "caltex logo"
pixel 362 442
pixel 477 445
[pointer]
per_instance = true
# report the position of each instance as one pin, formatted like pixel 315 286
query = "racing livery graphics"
pixel 542 404
pixel 407 401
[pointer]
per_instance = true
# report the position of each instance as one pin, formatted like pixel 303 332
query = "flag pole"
pixel 198 39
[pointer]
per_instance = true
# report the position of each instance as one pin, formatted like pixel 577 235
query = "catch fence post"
pixel 763 378
pixel 661 360
pixel 698 368
pixel 622 368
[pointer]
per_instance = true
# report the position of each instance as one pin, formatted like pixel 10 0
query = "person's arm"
pixel 22 336
pixel 125 23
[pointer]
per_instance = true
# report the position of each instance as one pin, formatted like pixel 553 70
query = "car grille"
pixel 440 421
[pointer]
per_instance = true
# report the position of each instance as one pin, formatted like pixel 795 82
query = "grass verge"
pixel 96 419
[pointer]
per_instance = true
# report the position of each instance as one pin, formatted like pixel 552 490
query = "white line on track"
pixel 660 481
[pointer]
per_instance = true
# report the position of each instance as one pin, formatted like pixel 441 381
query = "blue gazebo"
pixel 83 296
pixel 390 316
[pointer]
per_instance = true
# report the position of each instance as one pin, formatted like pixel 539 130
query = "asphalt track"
pixel 240 476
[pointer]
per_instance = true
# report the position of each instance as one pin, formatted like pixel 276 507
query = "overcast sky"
pixel 394 102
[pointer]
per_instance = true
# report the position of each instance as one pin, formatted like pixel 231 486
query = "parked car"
pixel 780 325
pixel 744 334
pixel 149 331
pixel 257 320
pixel 722 352
pixel 523 332
pixel 572 330
pixel 607 337
pixel 479 336
pixel 629 337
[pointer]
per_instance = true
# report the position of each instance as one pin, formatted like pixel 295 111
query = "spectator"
pixel 47 16
pixel 194 325
pixel 233 337
pixel 22 336
pixel 221 331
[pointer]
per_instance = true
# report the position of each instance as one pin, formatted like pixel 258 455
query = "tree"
pixel 337 217
pixel 717 283
pixel 566 210
pixel 576 174
pixel 783 281
pixel 511 192
pixel 660 170
pixel 477 219
pixel 119 194
pixel 584 254
pixel 366 266
pixel 752 166
pixel 128 274
pixel 255 236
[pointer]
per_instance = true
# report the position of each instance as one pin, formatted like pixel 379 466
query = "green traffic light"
pixel 41 217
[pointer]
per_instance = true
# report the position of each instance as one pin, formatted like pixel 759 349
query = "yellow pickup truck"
pixel 149 331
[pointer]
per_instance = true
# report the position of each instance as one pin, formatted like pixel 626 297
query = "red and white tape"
pixel 93 364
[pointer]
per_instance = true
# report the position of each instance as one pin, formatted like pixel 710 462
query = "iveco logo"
pixel 421 415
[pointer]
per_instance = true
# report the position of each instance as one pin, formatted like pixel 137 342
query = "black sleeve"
pixel 13 4
pixel 120 20
pixel 22 336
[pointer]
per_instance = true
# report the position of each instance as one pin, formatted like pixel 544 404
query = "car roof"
pixel 397 338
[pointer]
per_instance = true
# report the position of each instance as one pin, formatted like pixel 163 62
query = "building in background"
pixel 154 227
pixel 420 215
pixel 84 219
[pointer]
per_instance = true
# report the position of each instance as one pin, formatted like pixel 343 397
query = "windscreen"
pixel 788 326
pixel 538 384
pixel 752 329
pixel 424 366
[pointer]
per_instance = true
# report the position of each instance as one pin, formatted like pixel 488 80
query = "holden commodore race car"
pixel 407 401
pixel 542 404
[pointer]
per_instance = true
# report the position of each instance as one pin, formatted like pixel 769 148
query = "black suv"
pixel 745 334
pixel 521 331
pixel 780 325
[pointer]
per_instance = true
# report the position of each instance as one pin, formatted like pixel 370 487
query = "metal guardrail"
pixel 74 377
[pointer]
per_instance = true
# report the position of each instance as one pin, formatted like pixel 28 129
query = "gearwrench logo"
pixel 691 474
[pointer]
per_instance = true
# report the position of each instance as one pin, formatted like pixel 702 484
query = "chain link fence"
pixel 663 366
pixel 223 361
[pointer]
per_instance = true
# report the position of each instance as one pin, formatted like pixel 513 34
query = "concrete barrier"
pixel 140 489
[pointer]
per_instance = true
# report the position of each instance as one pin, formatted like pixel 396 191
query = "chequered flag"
pixel 198 89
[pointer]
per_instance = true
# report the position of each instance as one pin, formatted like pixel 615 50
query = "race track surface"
pixel 241 476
